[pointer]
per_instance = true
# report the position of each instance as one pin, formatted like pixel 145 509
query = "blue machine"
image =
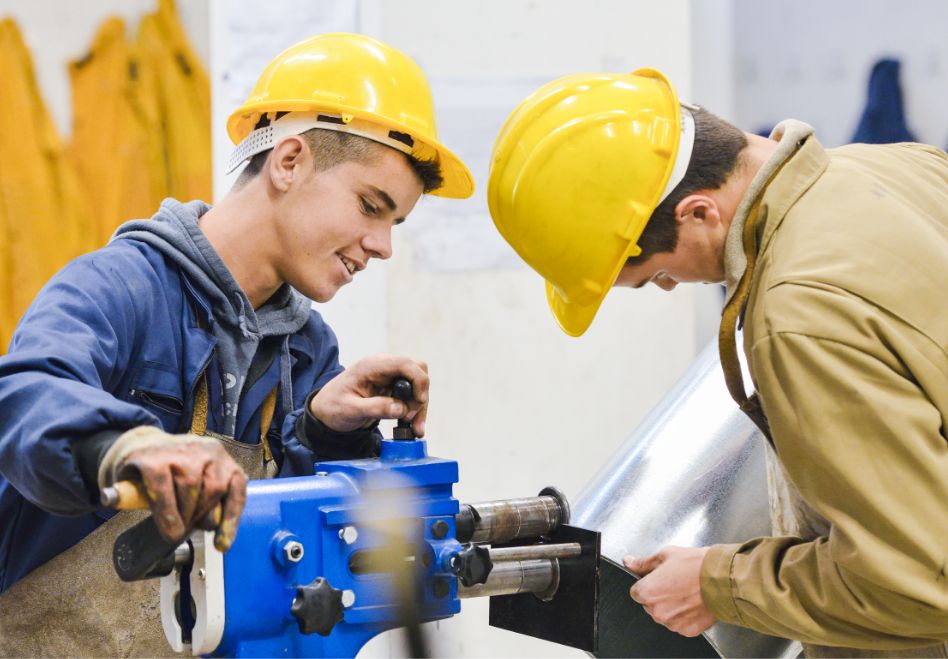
pixel 324 563
pixel 331 527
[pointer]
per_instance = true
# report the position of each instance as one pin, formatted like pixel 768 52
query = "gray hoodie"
pixel 175 232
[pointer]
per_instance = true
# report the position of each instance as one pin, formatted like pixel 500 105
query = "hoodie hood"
pixel 237 328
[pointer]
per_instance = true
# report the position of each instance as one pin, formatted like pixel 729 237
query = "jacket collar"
pixel 802 160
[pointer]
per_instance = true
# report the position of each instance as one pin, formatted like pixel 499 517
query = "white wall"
pixel 519 404
pixel 810 60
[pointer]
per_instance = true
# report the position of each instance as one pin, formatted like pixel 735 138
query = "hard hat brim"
pixel 575 318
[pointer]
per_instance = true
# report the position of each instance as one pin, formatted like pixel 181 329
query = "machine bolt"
pixel 293 550
pixel 441 588
pixel 439 529
pixel 202 574
pixel 348 534
pixel 348 598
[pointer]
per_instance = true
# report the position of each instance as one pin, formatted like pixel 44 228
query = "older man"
pixel 836 262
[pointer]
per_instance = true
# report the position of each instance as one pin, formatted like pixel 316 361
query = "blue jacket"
pixel 113 342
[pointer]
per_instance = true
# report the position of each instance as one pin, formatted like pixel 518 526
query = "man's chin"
pixel 321 294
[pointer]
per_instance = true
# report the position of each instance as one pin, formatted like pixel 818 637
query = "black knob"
pixel 401 389
pixel 317 607
pixel 473 565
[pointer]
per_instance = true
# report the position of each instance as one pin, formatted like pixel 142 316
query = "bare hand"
pixel 362 394
pixel 185 482
pixel 670 589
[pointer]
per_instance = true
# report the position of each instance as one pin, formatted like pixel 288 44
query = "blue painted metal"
pixel 403 492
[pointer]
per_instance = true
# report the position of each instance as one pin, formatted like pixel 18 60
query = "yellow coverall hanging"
pixel 43 211
pixel 185 98
pixel 117 130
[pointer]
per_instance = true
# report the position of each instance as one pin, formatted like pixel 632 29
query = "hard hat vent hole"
pixel 329 119
pixel 404 138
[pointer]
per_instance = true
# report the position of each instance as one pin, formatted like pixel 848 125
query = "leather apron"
pixel 790 515
pixel 76 606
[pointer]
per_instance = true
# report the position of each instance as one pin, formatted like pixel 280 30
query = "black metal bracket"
pixel 571 617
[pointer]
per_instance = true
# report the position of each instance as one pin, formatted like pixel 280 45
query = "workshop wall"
pixel 518 403
pixel 811 60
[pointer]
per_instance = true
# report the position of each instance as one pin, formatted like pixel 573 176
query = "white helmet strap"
pixel 686 144
pixel 296 123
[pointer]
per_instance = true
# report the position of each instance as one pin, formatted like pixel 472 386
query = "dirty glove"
pixel 184 478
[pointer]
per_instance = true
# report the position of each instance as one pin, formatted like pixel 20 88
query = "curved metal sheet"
pixel 692 474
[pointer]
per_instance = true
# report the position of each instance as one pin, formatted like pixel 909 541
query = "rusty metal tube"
pixel 534 552
pixel 509 519
pixel 541 577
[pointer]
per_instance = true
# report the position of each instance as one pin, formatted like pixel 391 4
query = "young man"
pixel 836 262
pixel 186 354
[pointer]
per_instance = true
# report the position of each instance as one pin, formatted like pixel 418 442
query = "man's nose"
pixel 666 283
pixel 378 243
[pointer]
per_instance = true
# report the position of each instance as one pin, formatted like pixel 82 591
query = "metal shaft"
pixel 511 577
pixel 508 519
pixel 533 552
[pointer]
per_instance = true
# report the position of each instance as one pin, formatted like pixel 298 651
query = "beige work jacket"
pixel 846 333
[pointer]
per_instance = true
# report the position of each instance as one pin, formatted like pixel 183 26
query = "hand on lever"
pixel 184 478
pixel 362 394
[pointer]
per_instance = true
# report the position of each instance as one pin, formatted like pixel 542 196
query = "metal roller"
pixel 508 519
pixel 541 577
pixel 532 552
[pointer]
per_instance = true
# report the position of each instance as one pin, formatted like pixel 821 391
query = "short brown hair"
pixel 331 148
pixel 715 156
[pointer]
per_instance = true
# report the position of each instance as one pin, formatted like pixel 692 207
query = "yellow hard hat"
pixel 350 83
pixel 576 172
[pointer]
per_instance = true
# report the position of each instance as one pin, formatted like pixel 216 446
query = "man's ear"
pixel 283 165
pixel 698 207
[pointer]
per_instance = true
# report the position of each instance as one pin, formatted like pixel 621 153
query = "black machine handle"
pixel 141 552
pixel 401 389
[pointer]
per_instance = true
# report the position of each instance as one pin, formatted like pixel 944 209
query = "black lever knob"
pixel 472 565
pixel 317 607
pixel 401 389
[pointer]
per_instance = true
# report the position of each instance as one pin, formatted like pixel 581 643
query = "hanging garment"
pixel 116 130
pixel 44 212
pixel 184 94
pixel 883 120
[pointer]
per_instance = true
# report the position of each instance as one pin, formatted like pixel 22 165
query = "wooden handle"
pixel 129 495
pixel 125 495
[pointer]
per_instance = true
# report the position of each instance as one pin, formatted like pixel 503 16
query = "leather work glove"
pixel 184 478
pixel 362 394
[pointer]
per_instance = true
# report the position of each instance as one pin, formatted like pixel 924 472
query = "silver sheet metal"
pixel 692 474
